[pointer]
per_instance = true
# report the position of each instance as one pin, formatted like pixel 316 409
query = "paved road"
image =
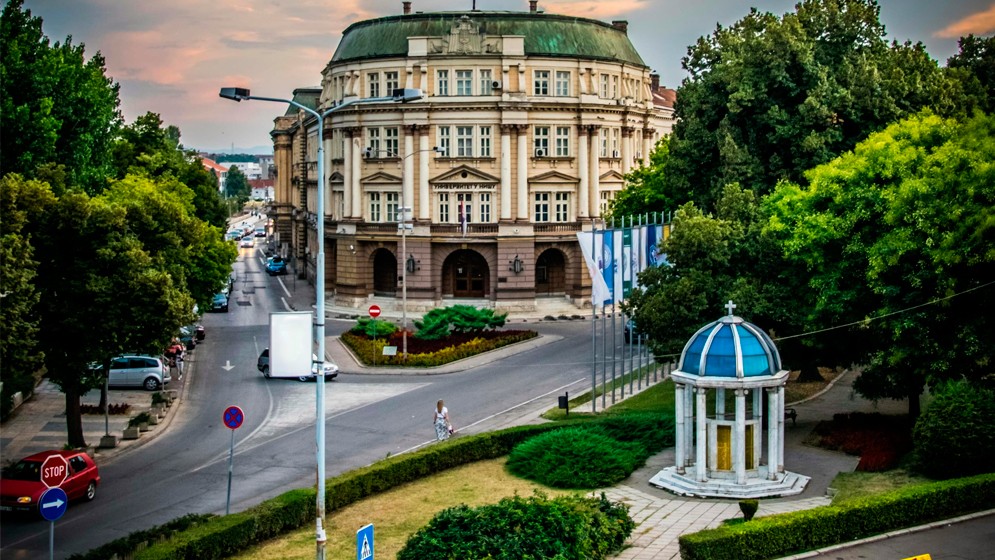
pixel 184 469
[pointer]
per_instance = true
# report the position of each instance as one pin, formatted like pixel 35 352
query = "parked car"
pixel 275 266
pixel 247 241
pixel 331 370
pixel 21 486
pixel 220 302
pixel 190 335
pixel 148 372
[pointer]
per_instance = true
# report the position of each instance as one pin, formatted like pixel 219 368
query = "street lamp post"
pixel 399 95
pixel 403 225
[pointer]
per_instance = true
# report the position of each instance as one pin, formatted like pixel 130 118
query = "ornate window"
pixel 562 206
pixel 562 141
pixel 390 142
pixel 444 208
pixel 464 141
pixel 443 141
pixel 373 142
pixel 485 207
pixel 485 141
pixel 541 207
pixel 442 82
pixel 540 141
pixel 374 206
pixel 373 82
pixel 485 82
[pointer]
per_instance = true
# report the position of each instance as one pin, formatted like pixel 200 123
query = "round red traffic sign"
pixel 374 311
pixel 54 471
pixel 233 417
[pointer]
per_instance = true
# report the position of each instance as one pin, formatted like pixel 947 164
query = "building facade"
pixel 528 124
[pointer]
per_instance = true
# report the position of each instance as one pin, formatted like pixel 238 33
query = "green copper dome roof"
pixel 545 35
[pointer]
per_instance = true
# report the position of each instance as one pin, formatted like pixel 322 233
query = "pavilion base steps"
pixel 786 484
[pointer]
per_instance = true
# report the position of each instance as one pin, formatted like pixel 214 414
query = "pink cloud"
pixel 980 23
pixel 592 8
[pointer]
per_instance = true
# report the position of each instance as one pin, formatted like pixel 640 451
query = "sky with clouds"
pixel 172 57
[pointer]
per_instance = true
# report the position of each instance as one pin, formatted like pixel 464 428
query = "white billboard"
pixel 290 347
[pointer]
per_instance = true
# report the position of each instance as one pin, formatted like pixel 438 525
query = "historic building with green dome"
pixel 528 124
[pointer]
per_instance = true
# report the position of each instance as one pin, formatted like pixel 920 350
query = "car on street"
pixel 136 370
pixel 247 241
pixel 260 232
pixel 276 266
pixel 331 370
pixel 220 302
pixel 630 333
pixel 21 486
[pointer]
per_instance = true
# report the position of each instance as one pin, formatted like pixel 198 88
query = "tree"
pixel 644 193
pixel 236 185
pixel 771 97
pixel 973 69
pixel 19 352
pixel 897 236
pixel 55 105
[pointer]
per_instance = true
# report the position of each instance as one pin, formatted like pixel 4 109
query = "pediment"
pixel 553 177
pixel 381 178
pixel 612 176
pixel 464 174
pixel 336 177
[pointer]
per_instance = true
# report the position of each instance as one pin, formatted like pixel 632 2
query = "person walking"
pixel 440 419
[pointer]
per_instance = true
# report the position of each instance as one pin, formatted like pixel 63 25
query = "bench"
pixel 791 413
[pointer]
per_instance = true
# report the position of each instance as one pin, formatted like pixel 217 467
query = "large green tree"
pixel 972 70
pixel 898 237
pixel 56 106
pixel 237 185
pixel 771 97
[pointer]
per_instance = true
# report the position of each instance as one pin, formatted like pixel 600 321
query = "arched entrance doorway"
pixel 551 273
pixel 384 273
pixel 465 274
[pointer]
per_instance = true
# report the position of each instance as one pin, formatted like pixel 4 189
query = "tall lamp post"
pixel 402 224
pixel 399 95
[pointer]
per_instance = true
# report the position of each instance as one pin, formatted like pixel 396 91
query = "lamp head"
pixel 234 93
pixel 407 94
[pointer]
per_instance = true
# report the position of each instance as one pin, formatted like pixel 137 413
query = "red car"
pixel 21 487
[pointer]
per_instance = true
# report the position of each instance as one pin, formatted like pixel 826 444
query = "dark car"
pixel 220 302
pixel 21 486
pixel 631 334
pixel 276 266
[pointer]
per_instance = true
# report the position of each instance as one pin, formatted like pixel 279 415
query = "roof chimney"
pixel 654 81
pixel 407 7
pixel 621 25
pixel 532 6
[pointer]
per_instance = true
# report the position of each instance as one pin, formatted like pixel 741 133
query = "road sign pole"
pixel 231 457
pixel 51 540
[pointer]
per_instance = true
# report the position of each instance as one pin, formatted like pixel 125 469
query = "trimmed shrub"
pixel 441 322
pixel 653 430
pixel 373 327
pixel 775 536
pixel 435 353
pixel 125 545
pixel 749 508
pixel 579 458
pixel 566 527
pixel 955 436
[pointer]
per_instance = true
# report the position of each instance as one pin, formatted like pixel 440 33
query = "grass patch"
pixel 399 513
pixel 855 485
pixel 656 398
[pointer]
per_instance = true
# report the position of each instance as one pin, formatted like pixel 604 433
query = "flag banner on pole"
pixel 652 238
pixel 599 289
pixel 626 262
pixel 636 258
pixel 617 261
pixel 606 262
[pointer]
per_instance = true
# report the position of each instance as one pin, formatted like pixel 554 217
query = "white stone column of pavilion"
pixel 594 177
pixel 506 130
pixel 523 172
pixel 680 453
pixel 583 152
pixel 425 153
pixel 701 449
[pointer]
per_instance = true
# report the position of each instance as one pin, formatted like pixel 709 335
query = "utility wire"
pixel 900 311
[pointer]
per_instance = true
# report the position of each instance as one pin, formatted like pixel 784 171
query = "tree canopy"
pixel 56 106
pixel 237 185
pixel 898 236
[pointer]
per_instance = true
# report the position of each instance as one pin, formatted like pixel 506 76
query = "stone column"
pixel 739 438
pixel 773 442
pixel 627 137
pixel 357 197
pixel 583 150
pixel 689 426
pixel 780 428
pixel 424 195
pixel 720 402
pixel 347 172
pixel 523 173
pixel 506 130
pixel 679 450
pixel 701 469
pixel 408 172
pixel 594 198
pixel 758 415
pixel 647 144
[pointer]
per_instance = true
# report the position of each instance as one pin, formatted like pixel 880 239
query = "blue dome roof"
pixel 730 347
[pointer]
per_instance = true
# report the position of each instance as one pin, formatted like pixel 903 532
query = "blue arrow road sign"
pixel 53 503
pixel 364 543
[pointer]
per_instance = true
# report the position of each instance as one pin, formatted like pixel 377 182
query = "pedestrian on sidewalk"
pixel 440 419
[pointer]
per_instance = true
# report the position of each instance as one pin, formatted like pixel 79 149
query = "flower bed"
pixel 879 440
pixel 428 353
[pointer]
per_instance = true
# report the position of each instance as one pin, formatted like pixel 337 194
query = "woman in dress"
pixel 441 421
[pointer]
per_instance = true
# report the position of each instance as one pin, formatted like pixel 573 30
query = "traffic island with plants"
pixel 444 335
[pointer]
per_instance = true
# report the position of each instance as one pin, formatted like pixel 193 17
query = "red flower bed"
pixel 879 440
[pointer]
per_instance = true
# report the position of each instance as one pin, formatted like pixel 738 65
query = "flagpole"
pixel 594 337
pixel 614 334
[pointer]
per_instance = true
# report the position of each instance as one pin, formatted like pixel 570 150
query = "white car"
pixel 247 241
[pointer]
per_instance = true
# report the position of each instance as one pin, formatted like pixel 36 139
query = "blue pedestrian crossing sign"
pixel 364 543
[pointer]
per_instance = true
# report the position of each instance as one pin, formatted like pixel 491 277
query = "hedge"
pixel 219 537
pixel 779 535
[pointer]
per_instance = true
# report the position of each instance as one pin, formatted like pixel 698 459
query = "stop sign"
pixel 54 471
pixel 374 311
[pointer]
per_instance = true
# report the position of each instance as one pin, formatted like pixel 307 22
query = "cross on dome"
pixel 730 306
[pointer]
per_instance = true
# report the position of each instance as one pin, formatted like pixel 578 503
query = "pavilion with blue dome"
pixel 722 454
